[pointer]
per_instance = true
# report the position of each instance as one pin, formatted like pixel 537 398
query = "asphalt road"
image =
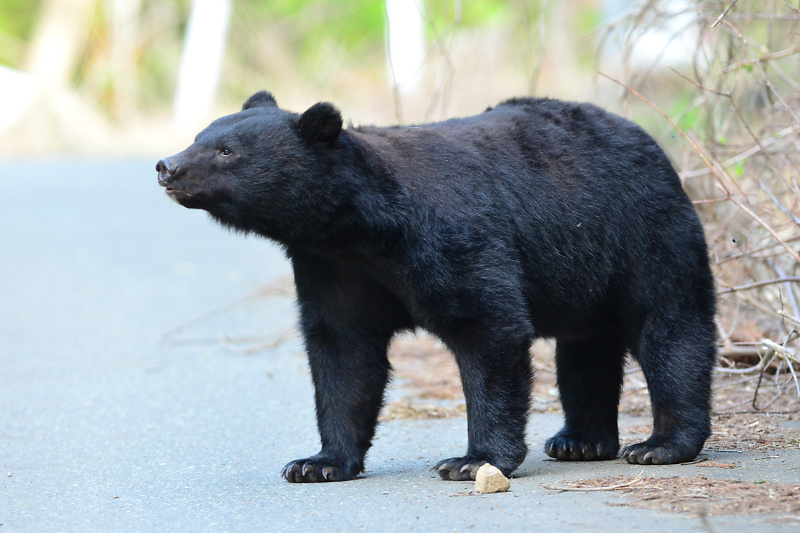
pixel 105 427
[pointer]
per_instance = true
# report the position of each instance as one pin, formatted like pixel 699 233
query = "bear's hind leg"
pixel 589 374
pixel 677 357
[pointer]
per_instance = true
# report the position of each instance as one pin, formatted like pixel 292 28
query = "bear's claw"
pixel 319 469
pixel 458 468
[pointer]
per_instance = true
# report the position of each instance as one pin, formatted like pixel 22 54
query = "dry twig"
pixel 722 16
pixel 633 481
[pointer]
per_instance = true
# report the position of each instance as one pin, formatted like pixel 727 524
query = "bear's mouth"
pixel 176 195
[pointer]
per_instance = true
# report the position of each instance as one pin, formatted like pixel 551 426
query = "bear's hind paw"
pixel 568 445
pixel 645 453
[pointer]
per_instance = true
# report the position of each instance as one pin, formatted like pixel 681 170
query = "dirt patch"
pixel 409 409
pixel 699 495
pixel 427 371
pixel 754 431
pixel 426 368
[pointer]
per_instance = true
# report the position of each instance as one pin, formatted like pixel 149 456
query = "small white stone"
pixel 490 479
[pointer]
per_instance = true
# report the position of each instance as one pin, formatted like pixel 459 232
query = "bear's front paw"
pixel 579 445
pixel 459 468
pixel 320 468
pixel 649 453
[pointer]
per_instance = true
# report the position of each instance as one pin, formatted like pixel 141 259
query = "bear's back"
pixel 524 151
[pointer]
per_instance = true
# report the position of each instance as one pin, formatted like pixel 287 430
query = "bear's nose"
pixel 166 169
pixel 166 166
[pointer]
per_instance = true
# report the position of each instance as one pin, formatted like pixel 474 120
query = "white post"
pixel 17 92
pixel 124 18
pixel 405 43
pixel 201 62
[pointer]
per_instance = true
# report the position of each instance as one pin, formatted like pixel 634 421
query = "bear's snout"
pixel 166 169
pixel 169 171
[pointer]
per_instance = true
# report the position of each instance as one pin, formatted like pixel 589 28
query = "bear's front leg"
pixel 347 320
pixel 496 376
pixel 350 371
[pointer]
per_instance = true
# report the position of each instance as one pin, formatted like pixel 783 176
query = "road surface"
pixel 104 426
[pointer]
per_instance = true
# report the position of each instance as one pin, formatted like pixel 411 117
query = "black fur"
pixel 537 218
pixel 260 99
pixel 320 124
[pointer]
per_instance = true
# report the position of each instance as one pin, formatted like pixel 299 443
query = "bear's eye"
pixel 226 151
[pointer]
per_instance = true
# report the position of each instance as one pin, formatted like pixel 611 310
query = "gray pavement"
pixel 103 427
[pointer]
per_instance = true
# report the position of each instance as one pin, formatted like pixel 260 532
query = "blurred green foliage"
pixel 356 25
pixel 17 20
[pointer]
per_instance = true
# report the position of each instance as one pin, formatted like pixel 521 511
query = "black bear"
pixel 536 218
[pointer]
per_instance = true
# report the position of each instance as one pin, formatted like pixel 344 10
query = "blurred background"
pixel 716 82
pixel 128 75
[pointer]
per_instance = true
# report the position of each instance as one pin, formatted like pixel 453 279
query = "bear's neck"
pixel 353 209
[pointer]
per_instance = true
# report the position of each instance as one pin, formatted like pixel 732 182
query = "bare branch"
pixel 722 16
pixel 757 284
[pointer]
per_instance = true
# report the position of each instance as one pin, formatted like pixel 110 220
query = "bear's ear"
pixel 320 124
pixel 260 99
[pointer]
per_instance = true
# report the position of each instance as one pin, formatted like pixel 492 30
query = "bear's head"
pixel 254 166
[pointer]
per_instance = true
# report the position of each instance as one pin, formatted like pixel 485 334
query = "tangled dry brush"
pixel 741 165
